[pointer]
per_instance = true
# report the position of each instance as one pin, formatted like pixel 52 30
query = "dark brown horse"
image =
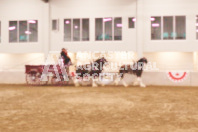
pixel 135 69
pixel 92 70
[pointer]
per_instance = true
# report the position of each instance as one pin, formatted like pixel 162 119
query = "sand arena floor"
pixel 103 109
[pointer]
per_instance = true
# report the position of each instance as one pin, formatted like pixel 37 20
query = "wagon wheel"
pixel 34 78
pixel 55 81
pixel 44 80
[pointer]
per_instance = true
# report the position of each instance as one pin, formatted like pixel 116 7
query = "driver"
pixel 66 59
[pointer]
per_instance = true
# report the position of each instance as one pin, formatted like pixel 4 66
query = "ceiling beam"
pixel 46 1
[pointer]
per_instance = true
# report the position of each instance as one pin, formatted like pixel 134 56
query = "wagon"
pixel 35 76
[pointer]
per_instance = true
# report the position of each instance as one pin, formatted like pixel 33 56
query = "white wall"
pixel 171 60
pixel 171 8
pixel 165 52
pixel 92 9
pixel 17 62
pixel 22 10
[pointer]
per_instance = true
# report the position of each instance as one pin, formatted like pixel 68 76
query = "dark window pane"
pixel 23 32
pixel 13 29
pixel 0 32
pixel 168 27
pixel 197 26
pixel 155 28
pixel 131 22
pixel 108 28
pixel 54 24
pixel 118 28
pixel 85 29
pixel 67 29
pixel 99 29
pixel 33 31
pixel 76 30
pixel 180 22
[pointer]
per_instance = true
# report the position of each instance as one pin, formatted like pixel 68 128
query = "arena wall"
pixel 23 10
pixel 167 54
pixel 171 8
pixel 61 9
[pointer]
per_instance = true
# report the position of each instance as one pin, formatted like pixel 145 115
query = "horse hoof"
pixel 142 85
pixel 135 83
pixel 103 85
pixel 77 85
pixel 94 85
pixel 116 83
pixel 125 85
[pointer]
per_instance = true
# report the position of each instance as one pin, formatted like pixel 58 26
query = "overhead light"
pixel 152 19
pixel 12 28
pixel 119 25
pixel 67 22
pixel 107 19
pixel 155 25
pixel 32 21
pixel 134 19
pixel 28 32
pixel 76 27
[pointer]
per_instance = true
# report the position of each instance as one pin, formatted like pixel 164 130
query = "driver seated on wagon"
pixel 66 59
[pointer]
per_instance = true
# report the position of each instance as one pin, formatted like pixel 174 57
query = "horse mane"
pixel 143 59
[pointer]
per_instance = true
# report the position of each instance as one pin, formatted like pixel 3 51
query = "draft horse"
pixel 90 71
pixel 135 69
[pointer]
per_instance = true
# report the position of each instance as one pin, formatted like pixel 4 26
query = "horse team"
pixel 94 70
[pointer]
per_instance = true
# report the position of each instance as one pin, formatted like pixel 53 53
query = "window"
pixel 33 31
pixel 118 29
pixel 108 29
pixel 67 30
pixel 23 31
pixel 54 25
pixel 76 29
pixel 197 26
pixel 0 31
pixel 173 28
pixel 155 28
pixel 180 22
pixel 85 29
pixel 13 31
pixel 168 27
pixel 99 29
pixel 131 22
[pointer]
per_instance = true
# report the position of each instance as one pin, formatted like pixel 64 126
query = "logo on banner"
pixel 177 76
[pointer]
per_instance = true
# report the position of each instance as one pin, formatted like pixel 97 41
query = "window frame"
pixel 103 30
pixel 72 31
pixel 133 22
pixel 18 31
pixel 161 31
pixel 0 32
pixel 162 27
pixel 196 27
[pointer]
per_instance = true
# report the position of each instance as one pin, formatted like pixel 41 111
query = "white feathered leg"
pixel 76 82
pixel 116 81
pixel 138 81
pixel 124 83
pixel 142 84
pixel 94 82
